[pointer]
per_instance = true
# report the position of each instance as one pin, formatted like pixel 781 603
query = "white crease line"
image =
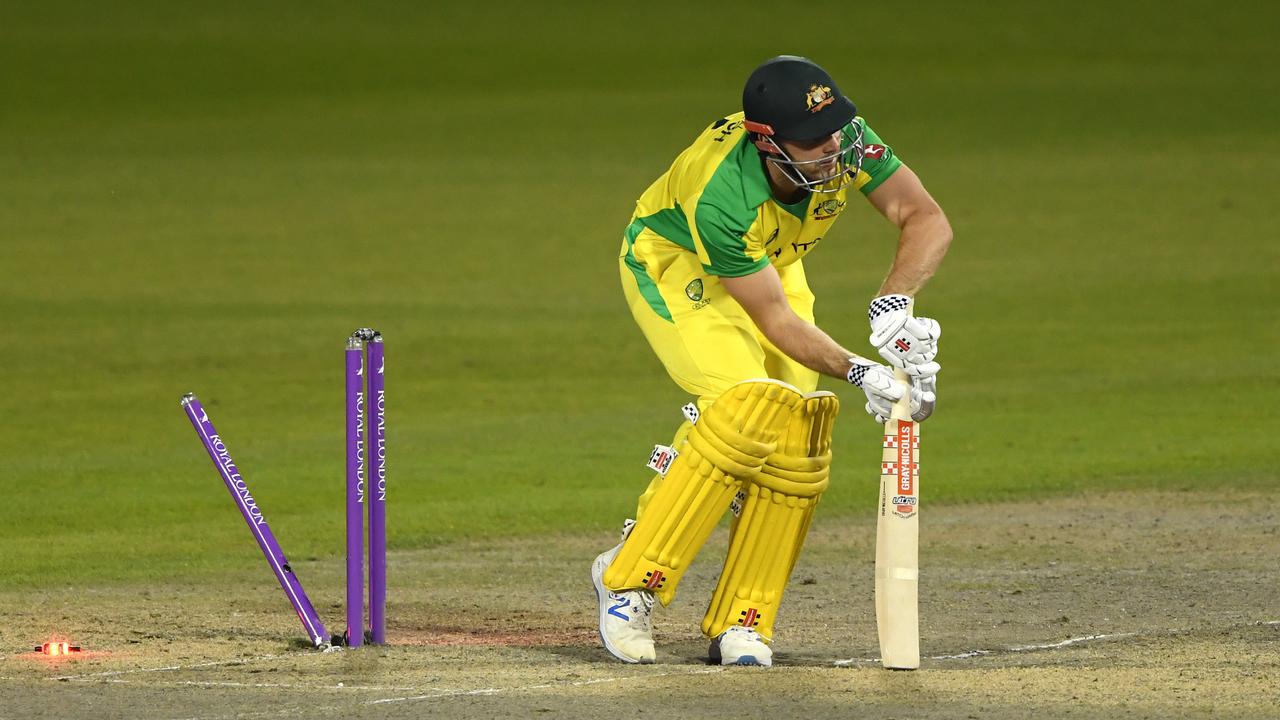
pixel 1012 649
pixel 489 691
pixel 960 656
pixel 170 668
pixel 1069 641
pixel 541 686
pixel 228 683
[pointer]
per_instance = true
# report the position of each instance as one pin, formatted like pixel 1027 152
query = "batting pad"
pixel 728 444
pixel 776 507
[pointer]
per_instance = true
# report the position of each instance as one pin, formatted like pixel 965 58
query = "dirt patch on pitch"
pixel 1123 606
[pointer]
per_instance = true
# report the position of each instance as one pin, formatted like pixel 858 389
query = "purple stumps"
pixel 354 635
pixel 217 450
pixel 363 442
pixel 366 441
pixel 377 493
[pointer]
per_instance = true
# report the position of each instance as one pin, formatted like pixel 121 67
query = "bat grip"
pixel 902 408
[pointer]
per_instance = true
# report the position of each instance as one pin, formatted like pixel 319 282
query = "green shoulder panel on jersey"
pixel 726 210
pixel 878 160
pixel 671 223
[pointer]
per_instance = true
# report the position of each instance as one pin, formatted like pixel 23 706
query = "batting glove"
pixel 883 390
pixel 906 342
pixel 928 389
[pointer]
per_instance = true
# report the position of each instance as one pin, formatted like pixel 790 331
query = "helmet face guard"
pixel 848 159
pixel 790 99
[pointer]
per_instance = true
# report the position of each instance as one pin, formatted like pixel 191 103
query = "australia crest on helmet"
pixel 818 97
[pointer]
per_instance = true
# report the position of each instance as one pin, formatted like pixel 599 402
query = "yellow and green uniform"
pixel 760 447
pixel 713 215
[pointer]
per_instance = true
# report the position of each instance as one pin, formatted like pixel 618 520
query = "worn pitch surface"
pixel 1122 605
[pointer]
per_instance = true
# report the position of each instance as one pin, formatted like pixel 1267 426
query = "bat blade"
pixel 897 540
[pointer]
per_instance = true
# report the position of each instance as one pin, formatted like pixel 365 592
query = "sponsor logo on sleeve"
pixel 725 129
pixel 874 152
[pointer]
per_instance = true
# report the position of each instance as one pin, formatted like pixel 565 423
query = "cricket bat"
pixel 897 539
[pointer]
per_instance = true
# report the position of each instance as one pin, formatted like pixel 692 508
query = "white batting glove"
pixel 906 342
pixel 928 389
pixel 883 389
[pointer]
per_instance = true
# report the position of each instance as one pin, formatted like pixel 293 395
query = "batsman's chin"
pixel 822 173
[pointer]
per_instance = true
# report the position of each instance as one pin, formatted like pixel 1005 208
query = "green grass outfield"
pixel 211 199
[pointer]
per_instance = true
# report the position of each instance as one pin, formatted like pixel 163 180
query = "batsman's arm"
pixel 762 296
pixel 924 232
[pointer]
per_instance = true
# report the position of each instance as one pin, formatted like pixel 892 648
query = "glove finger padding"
pixel 882 419
pixel 924 328
pixel 924 397
pixel 922 370
pixel 878 406
pixel 877 381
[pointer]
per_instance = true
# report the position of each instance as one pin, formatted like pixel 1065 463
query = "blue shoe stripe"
pixel 613 610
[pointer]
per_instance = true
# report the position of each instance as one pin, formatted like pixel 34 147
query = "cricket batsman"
pixel 712 269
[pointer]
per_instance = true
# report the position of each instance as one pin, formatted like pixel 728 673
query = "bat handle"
pixel 902 408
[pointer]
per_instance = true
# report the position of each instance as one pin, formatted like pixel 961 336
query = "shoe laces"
pixel 644 609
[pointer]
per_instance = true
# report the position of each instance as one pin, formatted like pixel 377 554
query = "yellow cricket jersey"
pixel 715 201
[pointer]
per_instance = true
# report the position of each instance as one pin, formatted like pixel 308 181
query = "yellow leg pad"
pixel 728 444
pixel 776 510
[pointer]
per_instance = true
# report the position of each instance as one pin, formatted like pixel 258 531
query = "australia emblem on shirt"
pixel 827 209
pixel 694 290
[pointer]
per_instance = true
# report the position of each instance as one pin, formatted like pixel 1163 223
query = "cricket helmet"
pixel 791 98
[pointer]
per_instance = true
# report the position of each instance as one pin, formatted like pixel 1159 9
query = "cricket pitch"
pixel 1128 605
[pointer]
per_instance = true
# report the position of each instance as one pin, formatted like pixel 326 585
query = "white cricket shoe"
pixel 626 627
pixel 740 646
